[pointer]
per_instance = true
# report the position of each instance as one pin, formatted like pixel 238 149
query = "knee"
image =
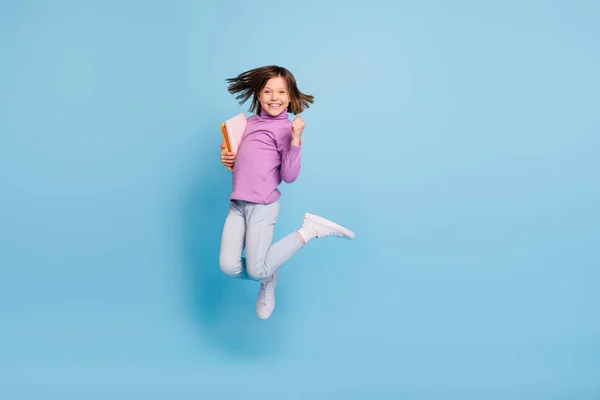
pixel 257 273
pixel 230 267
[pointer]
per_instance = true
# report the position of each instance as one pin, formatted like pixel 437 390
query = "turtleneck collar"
pixel 265 115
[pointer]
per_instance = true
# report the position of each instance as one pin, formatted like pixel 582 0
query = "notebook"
pixel 233 130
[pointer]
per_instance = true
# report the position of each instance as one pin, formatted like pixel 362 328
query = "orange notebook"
pixel 233 130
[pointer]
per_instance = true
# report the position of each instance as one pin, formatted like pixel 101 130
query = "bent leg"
pixel 264 257
pixel 232 242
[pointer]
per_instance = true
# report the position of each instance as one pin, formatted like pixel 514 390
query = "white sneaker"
pixel 265 303
pixel 315 226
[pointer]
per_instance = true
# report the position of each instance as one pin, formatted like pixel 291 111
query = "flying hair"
pixel 248 85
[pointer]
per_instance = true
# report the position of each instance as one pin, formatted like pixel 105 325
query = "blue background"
pixel 459 140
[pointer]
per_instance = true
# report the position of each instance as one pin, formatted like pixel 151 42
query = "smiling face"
pixel 274 97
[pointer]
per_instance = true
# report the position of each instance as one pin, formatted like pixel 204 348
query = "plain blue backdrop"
pixel 459 140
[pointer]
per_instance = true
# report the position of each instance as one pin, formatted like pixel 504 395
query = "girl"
pixel 270 152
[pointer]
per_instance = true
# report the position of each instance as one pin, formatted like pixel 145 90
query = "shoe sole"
pixel 330 224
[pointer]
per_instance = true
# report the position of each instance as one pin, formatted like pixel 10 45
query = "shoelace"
pixel 264 293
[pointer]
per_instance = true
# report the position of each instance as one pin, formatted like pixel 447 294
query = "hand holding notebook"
pixel 233 130
pixel 227 158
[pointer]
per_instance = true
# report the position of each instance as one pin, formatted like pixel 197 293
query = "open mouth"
pixel 272 105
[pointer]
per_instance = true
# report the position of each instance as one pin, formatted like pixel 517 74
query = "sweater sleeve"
pixel 290 158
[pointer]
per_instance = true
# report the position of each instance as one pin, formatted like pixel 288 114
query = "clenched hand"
pixel 297 129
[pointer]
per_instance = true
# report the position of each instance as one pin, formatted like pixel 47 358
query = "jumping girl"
pixel 270 152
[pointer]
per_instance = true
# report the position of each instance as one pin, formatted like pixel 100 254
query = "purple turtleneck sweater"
pixel 266 156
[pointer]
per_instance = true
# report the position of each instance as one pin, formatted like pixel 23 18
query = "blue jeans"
pixel 251 225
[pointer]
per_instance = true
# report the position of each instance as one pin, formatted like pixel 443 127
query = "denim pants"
pixel 251 225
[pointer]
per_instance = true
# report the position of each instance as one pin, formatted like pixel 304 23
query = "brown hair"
pixel 250 83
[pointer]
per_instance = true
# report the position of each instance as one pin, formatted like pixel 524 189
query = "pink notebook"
pixel 233 130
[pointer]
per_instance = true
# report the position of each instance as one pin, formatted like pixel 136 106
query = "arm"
pixel 291 155
pixel 291 152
